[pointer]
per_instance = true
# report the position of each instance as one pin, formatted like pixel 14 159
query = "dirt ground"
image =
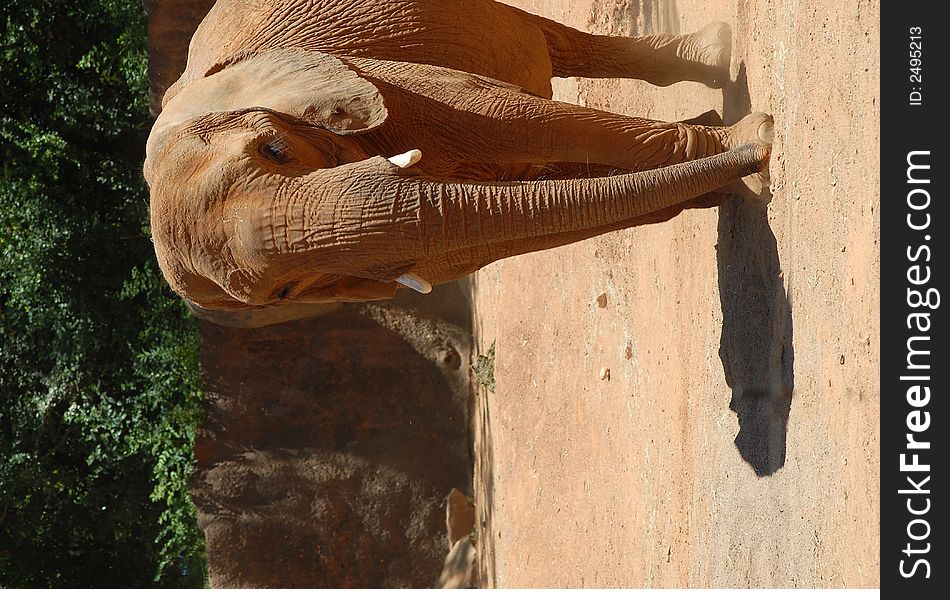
pixel 696 403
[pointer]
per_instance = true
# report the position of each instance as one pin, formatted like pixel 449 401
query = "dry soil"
pixel 696 403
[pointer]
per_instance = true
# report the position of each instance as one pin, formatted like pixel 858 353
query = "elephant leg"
pixel 567 170
pixel 660 59
pixel 520 128
pixel 564 133
pixel 517 128
pixel 587 137
pixel 648 145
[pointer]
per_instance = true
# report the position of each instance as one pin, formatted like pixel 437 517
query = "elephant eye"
pixel 275 151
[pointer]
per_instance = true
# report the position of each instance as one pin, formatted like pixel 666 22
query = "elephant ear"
pixel 314 87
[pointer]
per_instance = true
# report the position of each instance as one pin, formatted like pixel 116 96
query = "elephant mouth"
pixel 328 288
pixel 309 289
pixel 252 318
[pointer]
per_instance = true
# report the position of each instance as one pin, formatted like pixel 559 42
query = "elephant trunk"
pixel 385 226
pixel 470 215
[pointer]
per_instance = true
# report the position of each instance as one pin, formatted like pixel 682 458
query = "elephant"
pixel 268 173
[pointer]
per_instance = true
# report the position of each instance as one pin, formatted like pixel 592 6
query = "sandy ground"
pixel 734 442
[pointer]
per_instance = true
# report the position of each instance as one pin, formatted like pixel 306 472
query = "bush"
pixel 99 376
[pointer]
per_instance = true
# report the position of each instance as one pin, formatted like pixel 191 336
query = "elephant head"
pixel 262 193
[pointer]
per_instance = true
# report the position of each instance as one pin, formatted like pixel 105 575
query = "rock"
pixel 459 516
pixel 457 571
pixel 313 469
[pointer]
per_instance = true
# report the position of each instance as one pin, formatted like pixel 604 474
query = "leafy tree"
pixel 99 377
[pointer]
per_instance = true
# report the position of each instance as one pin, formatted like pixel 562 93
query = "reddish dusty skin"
pixel 265 192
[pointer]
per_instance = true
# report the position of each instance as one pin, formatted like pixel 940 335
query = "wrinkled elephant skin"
pixel 269 182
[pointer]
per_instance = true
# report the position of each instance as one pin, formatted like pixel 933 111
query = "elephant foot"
pixel 708 51
pixel 757 127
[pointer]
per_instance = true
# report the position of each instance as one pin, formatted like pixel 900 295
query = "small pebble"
pixel 605 374
pixel 602 300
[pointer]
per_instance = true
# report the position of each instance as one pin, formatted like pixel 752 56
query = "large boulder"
pixel 329 448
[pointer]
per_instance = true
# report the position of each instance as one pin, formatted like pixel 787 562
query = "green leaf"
pixel 100 386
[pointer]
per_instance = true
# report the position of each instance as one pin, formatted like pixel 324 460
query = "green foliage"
pixel 99 377
pixel 483 367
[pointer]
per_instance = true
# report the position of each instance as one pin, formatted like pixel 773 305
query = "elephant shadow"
pixel 756 343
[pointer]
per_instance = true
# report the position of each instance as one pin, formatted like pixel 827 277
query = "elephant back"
pixel 515 52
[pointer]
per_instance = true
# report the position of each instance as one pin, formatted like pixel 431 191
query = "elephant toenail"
pixel 766 132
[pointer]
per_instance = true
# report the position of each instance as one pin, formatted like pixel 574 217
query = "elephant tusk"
pixel 414 282
pixel 406 159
